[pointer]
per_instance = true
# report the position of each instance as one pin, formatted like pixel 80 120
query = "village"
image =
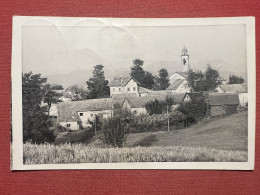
pixel 126 93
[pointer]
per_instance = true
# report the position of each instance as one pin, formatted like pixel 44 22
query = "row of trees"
pixel 146 79
pixel 209 80
pixel 98 85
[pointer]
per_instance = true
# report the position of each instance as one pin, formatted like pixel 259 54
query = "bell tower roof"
pixel 184 51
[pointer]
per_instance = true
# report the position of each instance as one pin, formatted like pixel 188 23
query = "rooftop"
pixel 176 84
pixel 68 110
pixel 234 88
pixel 223 99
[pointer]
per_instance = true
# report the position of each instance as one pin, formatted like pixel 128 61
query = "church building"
pixel 178 81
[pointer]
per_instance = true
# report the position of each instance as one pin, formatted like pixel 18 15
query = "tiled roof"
pixel 160 92
pixel 234 88
pixel 67 110
pixel 183 74
pixel 223 99
pixel 120 81
pixel 176 84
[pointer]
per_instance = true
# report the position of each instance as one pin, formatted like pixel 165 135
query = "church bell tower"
pixel 185 60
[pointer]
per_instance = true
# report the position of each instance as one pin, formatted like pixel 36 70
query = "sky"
pixel 51 50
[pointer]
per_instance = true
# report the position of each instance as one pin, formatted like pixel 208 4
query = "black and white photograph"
pixel 121 93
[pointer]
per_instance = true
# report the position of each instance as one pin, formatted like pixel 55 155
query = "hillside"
pixel 229 132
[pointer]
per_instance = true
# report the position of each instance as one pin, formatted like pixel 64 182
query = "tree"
pixel 97 84
pixel 145 78
pixel 212 78
pixel 76 93
pixel 233 79
pixel 35 120
pixel 137 71
pixel 148 80
pixel 57 87
pixel 162 80
pixel 199 81
pixel 50 96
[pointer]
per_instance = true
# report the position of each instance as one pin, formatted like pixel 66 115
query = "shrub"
pixel 194 110
pixel 159 107
pixel 113 132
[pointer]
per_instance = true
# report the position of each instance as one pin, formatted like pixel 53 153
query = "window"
pixel 68 125
pixel 128 89
pixel 81 114
pixel 133 88
pixel 91 115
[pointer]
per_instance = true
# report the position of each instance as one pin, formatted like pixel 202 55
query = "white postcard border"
pixel 17 144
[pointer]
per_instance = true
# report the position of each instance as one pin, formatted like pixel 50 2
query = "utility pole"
pixel 168 119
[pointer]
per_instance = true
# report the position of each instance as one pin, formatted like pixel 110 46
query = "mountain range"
pixel 80 76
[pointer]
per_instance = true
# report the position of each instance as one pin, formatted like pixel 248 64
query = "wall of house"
pixel 131 87
pixel 116 90
pixel 72 125
pixel 223 110
pixel 187 98
pixel 217 111
pixel 219 90
pixel 53 110
pixel 85 117
pixel 243 99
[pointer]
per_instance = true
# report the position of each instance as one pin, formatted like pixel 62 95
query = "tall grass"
pixel 80 153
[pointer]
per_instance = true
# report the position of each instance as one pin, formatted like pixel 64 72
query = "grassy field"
pixel 79 153
pixel 229 132
pixel 217 139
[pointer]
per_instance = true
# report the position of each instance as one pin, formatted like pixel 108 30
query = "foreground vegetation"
pixel 80 153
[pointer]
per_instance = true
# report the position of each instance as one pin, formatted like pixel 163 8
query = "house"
pixel 240 89
pixel 137 104
pixel 79 114
pixel 222 104
pixel 123 85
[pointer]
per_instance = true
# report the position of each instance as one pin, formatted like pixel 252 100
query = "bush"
pixel 113 132
pixel 159 107
pixel 194 110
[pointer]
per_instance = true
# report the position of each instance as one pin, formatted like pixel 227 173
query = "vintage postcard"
pixel 121 93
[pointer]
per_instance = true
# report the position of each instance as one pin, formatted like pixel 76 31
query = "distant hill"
pixel 80 77
pixel 76 77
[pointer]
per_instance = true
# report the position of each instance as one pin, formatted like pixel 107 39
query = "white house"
pixel 123 85
pixel 79 114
